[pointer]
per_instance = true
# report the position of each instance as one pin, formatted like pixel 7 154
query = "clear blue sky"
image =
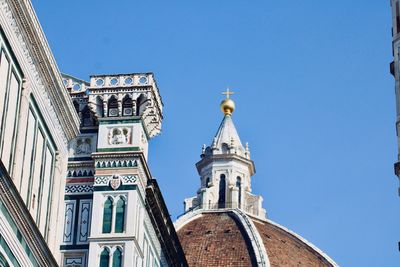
pixel 315 100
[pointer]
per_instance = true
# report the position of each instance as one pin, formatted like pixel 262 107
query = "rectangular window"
pixel 28 154
pixel 11 121
pixel 34 182
pixel 4 66
pixel 44 191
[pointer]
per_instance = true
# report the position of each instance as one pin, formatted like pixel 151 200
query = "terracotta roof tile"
pixel 216 239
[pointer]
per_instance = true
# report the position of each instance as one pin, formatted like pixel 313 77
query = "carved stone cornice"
pixel 26 27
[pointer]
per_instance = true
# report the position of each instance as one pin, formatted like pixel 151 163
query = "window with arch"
pixel 127 106
pixel 105 258
pixel 113 107
pixel 120 216
pixel 117 258
pixel 140 104
pixel 76 106
pixel 107 215
pixel 99 106
pixel 86 119
pixel 239 187
pixel 221 193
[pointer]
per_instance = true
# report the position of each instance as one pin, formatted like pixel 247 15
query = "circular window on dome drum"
pixel 143 80
pixel 99 82
pixel 114 81
pixel 76 87
pixel 128 81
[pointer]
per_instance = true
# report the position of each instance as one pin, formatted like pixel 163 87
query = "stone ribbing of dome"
pixel 287 249
pixel 223 238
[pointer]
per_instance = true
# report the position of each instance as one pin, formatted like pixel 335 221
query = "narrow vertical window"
pixel 239 187
pixel 120 216
pixel 222 189
pixel 107 215
pixel 117 258
pixel 113 107
pixel 4 67
pixel 99 106
pixel 105 258
pixel 76 106
pixel 127 106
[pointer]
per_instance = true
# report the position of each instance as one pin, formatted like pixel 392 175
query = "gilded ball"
pixel 227 106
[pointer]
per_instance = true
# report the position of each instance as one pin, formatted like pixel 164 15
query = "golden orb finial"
pixel 227 105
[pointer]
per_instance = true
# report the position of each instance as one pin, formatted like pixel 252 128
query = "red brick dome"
pixel 232 238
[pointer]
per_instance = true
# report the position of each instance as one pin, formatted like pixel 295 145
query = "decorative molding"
pixel 85 213
pixel 125 180
pixel 20 15
pixel 69 221
pixel 78 188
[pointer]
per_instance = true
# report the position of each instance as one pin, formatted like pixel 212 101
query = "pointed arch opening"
pixel 112 107
pixel 117 258
pixel 141 104
pixel 99 106
pixel 221 191
pixel 76 106
pixel 87 118
pixel 120 216
pixel 105 258
pixel 107 215
pixel 127 106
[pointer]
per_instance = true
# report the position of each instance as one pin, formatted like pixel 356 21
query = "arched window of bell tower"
pixel 87 119
pixel 99 106
pixel 117 258
pixel 127 106
pixel 207 181
pixel 140 104
pixel 221 192
pixel 113 107
pixel 76 106
pixel 105 258
pixel 107 215
pixel 120 216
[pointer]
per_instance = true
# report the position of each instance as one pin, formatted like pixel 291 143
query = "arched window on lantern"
pixel 107 215
pixel 113 107
pixel 105 258
pixel 239 187
pixel 127 106
pixel 120 216
pixel 222 189
pixel 117 258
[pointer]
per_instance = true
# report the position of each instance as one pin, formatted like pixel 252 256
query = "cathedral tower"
pixel 225 170
pixel 115 214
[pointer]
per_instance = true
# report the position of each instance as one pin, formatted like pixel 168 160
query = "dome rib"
pixel 231 241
